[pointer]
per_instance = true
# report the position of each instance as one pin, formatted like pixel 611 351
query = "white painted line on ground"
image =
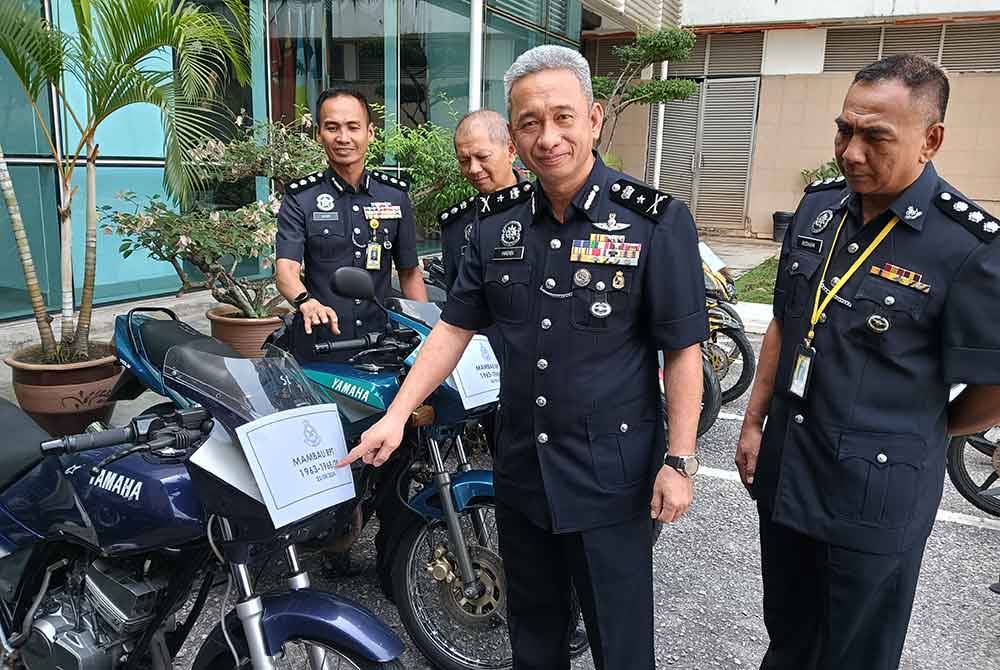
pixel 942 515
pixel 728 416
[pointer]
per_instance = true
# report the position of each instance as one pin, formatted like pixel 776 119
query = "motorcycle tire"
pixel 711 398
pixel 731 311
pixel 418 617
pixel 961 477
pixel 746 353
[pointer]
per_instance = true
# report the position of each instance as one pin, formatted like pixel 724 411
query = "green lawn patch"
pixel 757 285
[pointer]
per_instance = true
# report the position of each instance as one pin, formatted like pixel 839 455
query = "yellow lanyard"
pixel 820 307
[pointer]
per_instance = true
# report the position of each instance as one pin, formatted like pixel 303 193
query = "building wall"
pixel 794 51
pixel 795 131
pixel 734 12
pixel 632 140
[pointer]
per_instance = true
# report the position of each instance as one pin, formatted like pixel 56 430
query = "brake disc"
pixel 996 461
pixel 717 358
pixel 482 611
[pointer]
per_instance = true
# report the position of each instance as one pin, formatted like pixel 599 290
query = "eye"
pixel 530 124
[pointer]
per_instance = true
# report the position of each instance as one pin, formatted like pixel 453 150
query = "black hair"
pixel 331 93
pixel 926 81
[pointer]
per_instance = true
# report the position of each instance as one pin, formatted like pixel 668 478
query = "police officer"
pixel 888 290
pixel 344 216
pixel 587 275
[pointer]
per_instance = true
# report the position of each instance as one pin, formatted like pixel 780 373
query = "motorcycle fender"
pixel 128 387
pixel 312 615
pixel 719 319
pixel 465 488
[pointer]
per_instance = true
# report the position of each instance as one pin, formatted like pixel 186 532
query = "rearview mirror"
pixel 351 282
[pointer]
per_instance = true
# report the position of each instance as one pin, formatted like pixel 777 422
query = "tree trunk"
pixel 45 335
pixel 66 259
pixel 81 345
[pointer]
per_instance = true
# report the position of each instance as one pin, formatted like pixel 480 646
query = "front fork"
pixel 250 608
pixel 471 586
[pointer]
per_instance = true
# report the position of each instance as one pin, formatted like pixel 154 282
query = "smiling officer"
pixel 888 291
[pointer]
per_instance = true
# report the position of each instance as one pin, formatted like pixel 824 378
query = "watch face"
pixel 691 464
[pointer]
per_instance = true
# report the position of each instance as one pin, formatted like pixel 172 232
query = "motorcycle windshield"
pixel 426 313
pixel 238 390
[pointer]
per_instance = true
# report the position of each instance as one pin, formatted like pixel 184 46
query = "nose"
pixel 549 137
pixel 854 152
pixel 342 136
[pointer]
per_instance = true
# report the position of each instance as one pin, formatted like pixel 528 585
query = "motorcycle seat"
pixel 22 439
pixel 160 335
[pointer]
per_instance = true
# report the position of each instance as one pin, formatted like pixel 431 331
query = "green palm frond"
pixel 186 124
pixel 35 50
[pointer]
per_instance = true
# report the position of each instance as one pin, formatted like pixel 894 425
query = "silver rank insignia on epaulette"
pixel 399 183
pixel 302 182
pixel 977 221
pixel 826 184
pixel 503 199
pixel 640 199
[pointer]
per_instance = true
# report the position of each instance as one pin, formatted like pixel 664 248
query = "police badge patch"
pixel 511 234
pixel 468 231
pixel 822 221
pixel 324 202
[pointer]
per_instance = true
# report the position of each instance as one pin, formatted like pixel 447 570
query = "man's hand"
pixel 377 443
pixel 747 449
pixel 314 313
pixel 672 495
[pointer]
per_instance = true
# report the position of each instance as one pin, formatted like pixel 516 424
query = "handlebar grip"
pixel 87 441
pixel 342 345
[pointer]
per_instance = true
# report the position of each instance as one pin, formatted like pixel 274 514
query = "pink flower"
pixel 107 230
pixel 183 242
pixel 214 217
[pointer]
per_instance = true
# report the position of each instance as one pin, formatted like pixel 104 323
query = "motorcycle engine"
pixel 92 635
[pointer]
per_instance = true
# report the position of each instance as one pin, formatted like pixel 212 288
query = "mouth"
pixel 480 181
pixel 552 160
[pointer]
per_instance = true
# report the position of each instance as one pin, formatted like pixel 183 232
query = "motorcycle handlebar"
pixel 86 441
pixel 343 345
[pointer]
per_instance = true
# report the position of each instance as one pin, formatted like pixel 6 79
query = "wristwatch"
pixel 301 298
pixel 686 465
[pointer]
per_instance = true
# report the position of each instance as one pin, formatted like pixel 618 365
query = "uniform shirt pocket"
pixel 508 293
pixel 325 238
pixel 603 303
pixel 621 447
pixel 801 270
pixel 876 478
pixel 887 317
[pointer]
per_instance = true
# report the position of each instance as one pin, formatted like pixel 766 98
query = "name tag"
pixel 809 244
pixel 326 216
pixel 508 254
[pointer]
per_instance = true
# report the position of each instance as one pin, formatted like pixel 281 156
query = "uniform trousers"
pixel 612 570
pixel 831 608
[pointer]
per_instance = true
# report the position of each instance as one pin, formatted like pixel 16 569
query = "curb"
pixel 756 316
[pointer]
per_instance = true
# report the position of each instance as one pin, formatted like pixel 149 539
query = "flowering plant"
pixel 214 242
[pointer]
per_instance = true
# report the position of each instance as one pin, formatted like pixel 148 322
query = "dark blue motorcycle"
pixel 106 535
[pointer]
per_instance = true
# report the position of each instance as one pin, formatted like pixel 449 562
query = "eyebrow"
pixel 876 129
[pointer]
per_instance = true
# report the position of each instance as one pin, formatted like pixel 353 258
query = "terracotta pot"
pixel 64 399
pixel 244 335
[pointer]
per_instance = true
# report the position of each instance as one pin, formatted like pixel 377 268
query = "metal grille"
pixel 850 49
pixel 529 10
pixel 680 140
pixel 972 47
pixel 605 63
pixel 654 126
pixel 645 13
pixel 725 152
pixel 921 40
pixel 737 54
pixel 694 66
pixel 558 18
pixel 672 10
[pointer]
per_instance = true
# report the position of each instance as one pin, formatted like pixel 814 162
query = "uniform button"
pixel 822 317
pixel 546 324
pixel 623 428
pixel 836 280
pixel 550 283
pixel 890 301
pixel 543 438
pixel 799 418
pixel 357 231
pixel 357 302
pixel 504 279
pixel 795 265
pixel 326 231
pixel 600 286
pixel 555 244
pixel 358 323
pixel 356 208
pixel 542 364
pixel 357 254
pixel 882 458
pixel 852 248
pixel 541 401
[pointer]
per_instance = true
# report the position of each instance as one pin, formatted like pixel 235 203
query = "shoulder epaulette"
pixel 503 199
pixel 302 182
pixel 401 184
pixel 826 184
pixel 980 223
pixel 451 213
pixel 640 198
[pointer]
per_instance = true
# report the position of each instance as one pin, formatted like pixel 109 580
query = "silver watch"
pixel 686 465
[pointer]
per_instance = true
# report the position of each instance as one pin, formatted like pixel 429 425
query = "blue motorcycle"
pixel 105 536
pixel 439 558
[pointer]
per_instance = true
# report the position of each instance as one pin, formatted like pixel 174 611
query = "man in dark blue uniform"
pixel 587 274
pixel 344 216
pixel 888 288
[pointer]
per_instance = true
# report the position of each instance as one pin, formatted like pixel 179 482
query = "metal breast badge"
pixel 619 281
pixel 581 277
pixel 822 221
pixel 324 202
pixel 601 309
pixel 511 234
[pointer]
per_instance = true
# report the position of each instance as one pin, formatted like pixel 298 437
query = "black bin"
pixel 781 222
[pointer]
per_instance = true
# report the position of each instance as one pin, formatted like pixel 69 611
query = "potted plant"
pixel 114 60
pixel 215 243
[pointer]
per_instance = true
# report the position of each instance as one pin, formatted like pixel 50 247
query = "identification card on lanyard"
pixel 374 257
pixel 805 354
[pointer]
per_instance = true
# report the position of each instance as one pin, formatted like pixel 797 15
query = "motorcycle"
pixel 439 561
pixel 727 349
pixel 974 468
pixel 106 535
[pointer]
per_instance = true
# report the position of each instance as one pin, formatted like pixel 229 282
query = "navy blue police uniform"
pixel 582 308
pixel 851 466
pixel 328 224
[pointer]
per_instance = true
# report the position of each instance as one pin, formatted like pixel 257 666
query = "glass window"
pixel 35 187
pixel 318 45
pixel 526 10
pixel 19 125
pixel 503 43
pixel 434 60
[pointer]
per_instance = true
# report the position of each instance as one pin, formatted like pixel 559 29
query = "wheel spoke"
pixel 982 445
pixel 989 481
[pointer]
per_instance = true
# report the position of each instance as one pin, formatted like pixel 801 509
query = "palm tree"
pixel 116 58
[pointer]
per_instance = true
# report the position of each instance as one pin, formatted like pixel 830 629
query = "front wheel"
pixel 295 655
pixel 974 467
pixel 733 359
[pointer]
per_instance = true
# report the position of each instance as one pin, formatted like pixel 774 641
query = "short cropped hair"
pixel 549 57
pixel 332 93
pixel 496 125
pixel 927 82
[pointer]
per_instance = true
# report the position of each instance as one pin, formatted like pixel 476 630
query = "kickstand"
pixel 995 588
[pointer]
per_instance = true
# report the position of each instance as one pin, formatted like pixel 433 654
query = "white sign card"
pixel 477 375
pixel 293 456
